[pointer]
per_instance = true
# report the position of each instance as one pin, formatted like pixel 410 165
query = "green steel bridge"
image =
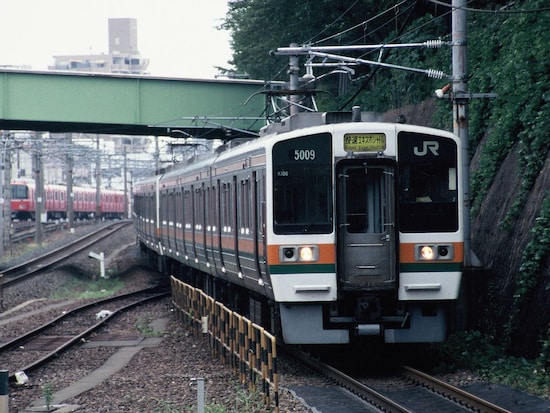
pixel 60 102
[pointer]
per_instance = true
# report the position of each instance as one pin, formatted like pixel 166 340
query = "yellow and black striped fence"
pixel 247 347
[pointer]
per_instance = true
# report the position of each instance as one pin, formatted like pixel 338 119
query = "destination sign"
pixel 364 142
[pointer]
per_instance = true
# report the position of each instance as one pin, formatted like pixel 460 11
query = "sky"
pixel 178 36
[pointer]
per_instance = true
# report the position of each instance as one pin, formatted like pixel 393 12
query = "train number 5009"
pixel 304 154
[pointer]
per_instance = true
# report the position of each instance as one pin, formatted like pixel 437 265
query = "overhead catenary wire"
pixel 502 10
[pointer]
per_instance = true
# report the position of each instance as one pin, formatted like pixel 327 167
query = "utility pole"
pixel 5 189
pixel 7 230
pixel 125 172
pixel 70 194
pixel 460 110
pixel 294 72
pixel 157 155
pixel 98 181
pixel 39 189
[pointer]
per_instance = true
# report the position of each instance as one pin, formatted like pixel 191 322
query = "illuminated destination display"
pixel 364 142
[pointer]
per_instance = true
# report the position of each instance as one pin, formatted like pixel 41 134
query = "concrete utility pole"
pixel 460 110
pixel 125 172
pixel 5 192
pixel 294 72
pixel 98 181
pixel 39 189
pixel 70 194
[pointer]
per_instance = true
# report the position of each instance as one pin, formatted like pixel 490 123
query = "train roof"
pixel 306 122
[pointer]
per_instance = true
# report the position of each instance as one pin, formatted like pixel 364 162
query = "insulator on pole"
pixel 433 44
pixel 437 74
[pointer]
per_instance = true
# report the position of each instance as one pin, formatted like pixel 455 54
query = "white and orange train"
pixel 23 201
pixel 323 229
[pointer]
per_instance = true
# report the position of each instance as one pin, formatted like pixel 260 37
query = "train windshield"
pixel 19 192
pixel 302 196
pixel 428 200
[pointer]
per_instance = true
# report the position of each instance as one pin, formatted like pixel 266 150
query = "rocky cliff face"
pixel 502 252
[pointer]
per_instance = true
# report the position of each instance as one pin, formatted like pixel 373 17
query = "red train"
pixel 23 202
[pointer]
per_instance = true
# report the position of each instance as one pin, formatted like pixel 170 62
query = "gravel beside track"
pixel 158 378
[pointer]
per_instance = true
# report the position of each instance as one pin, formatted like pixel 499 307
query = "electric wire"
pixel 363 23
pixel 499 11
pixel 334 22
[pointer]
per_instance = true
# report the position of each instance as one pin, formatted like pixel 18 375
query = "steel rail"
pixel 20 272
pixel 453 393
pixel 365 392
pixel 155 295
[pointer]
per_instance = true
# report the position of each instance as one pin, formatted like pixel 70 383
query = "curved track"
pixel 18 273
pixel 72 328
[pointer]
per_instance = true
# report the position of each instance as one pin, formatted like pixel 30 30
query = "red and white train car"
pixel 23 201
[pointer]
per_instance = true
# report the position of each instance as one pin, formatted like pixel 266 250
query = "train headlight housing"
pixel 434 252
pixel 299 253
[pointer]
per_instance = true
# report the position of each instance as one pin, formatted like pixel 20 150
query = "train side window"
pixel 244 207
pixel 188 209
pixel 226 207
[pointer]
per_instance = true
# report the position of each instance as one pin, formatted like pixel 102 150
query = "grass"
pixel 14 251
pixel 77 288
pixel 244 402
pixel 476 352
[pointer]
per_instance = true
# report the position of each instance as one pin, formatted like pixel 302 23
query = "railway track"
pixel 19 273
pixel 68 330
pixel 22 230
pixel 421 388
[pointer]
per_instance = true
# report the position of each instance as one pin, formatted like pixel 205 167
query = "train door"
pixel 366 230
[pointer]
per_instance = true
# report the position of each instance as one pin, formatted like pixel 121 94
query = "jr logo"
pixel 433 146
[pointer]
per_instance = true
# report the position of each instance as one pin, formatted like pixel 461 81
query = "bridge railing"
pixel 248 348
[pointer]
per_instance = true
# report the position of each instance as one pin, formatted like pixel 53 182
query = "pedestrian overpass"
pixel 131 105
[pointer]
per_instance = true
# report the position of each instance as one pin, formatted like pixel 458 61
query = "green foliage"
pixel 77 288
pixel 508 55
pixel 48 391
pixel 144 326
pixel 544 356
pixel 476 352
pixel 259 26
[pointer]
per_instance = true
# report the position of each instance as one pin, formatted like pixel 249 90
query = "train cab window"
pixel 19 192
pixel 302 176
pixel 428 196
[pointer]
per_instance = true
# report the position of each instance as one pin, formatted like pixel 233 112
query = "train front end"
pixel 365 234
pixel 22 201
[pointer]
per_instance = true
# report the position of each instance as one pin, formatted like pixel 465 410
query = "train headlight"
pixel 427 253
pixel 306 254
pixel 438 252
pixel 299 253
